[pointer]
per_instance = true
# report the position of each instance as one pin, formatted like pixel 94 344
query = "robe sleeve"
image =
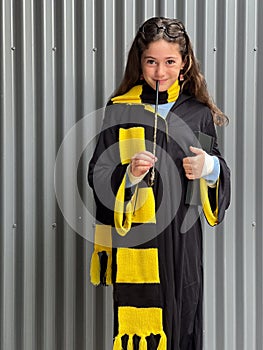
pixel 215 201
pixel 106 172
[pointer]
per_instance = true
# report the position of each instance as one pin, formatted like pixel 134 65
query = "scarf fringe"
pixel 163 342
pixel 95 270
pixel 142 344
pixel 117 345
pixel 130 343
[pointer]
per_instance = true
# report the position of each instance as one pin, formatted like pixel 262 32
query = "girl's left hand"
pixel 193 166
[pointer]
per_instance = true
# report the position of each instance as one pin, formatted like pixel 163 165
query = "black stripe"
pixel 149 95
pixel 137 295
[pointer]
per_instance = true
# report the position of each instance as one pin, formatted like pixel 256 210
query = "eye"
pixel 150 61
pixel 170 62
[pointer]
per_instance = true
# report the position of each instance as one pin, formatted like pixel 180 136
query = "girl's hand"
pixel 193 166
pixel 141 162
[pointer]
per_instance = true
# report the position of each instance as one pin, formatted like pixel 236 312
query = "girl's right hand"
pixel 141 162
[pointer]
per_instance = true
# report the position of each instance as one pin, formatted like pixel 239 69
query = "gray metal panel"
pixel 259 184
pixel 249 171
pixel 229 305
pixel 47 134
pixel 60 61
pixel 7 179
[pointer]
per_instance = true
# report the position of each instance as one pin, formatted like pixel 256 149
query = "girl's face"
pixel 161 61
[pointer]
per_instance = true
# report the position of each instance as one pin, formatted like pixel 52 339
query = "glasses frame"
pixel 164 28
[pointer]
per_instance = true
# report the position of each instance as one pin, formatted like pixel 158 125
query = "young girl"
pixel 155 165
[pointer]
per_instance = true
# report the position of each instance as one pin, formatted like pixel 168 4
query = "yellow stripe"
pixel 212 217
pixel 132 96
pixel 140 209
pixel 142 321
pixel 102 238
pixel 123 227
pixel 137 265
pixel 131 141
pixel 145 206
pixel 173 92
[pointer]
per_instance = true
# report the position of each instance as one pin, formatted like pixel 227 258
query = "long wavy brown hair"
pixel 171 30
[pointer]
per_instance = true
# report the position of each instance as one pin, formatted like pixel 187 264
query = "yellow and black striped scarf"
pixel 143 93
pixel 134 267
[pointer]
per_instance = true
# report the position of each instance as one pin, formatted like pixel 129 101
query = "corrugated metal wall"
pixel 60 60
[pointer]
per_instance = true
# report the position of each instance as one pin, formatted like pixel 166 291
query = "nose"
pixel 160 70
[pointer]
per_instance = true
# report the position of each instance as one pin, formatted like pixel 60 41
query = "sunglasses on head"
pixel 172 30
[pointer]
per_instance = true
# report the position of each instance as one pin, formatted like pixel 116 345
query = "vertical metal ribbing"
pixel 146 9
pixel 190 20
pixel 168 9
pixel 89 108
pixel 68 79
pixel 130 28
pixel 249 171
pixel 28 172
pixel 46 160
pixel 108 48
pixel 259 184
pixel 230 229
pixel 108 54
pixel 16 98
pixel 239 180
pixel 86 54
pixel 219 49
pixel 7 180
pixel 210 278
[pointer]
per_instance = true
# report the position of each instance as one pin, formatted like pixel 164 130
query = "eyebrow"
pixel 166 58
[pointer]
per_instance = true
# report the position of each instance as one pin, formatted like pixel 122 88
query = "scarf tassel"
pixel 101 268
pixel 142 344
pixel 117 345
pixel 95 269
pixel 130 343
pixel 163 342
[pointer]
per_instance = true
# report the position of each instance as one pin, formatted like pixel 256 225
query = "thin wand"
pixel 151 182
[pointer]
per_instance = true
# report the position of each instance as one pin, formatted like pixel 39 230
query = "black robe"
pixel 175 233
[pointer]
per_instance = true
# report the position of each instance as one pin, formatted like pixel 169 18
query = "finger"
pixel 141 162
pixel 191 168
pixel 189 173
pixel 145 156
pixel 145 153
pixel 190 176
pixel 150 154
pixel 140 170
pixel 196 150
pixel 193 171
pixel 187 166
pixel 187 161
